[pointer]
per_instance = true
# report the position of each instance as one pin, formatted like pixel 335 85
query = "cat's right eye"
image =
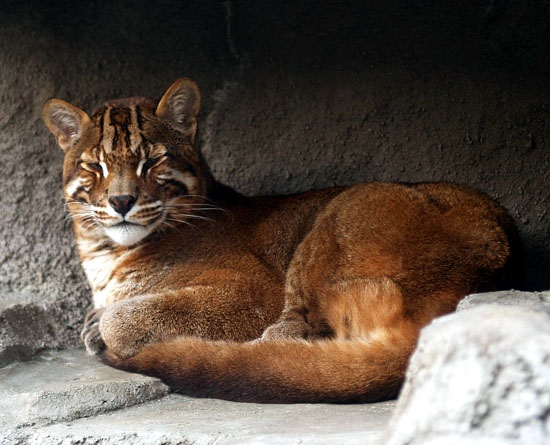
pixel 99 168
pixel 93 167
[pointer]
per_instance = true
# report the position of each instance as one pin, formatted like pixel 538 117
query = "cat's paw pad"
pixel 90 333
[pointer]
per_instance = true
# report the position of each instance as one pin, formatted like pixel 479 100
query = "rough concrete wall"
pixel 297 95
pixel 398 91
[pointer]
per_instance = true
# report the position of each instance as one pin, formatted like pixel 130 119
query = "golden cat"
pixel 334 285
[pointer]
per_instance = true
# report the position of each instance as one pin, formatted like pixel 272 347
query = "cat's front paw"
pixel 128 325
pixel 90 333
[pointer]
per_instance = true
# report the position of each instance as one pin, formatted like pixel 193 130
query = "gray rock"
pixel 531 300
pixel 178 419
pixel 478 376
pixel 68 385
pixel 462 440
pixel 27 325
pixel 69 397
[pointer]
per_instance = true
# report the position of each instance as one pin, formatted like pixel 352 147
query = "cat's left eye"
pixel 150 163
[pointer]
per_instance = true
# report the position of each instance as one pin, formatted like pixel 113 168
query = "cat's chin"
pixel 127 234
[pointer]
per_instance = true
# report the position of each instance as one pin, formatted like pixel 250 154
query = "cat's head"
pixel 131 167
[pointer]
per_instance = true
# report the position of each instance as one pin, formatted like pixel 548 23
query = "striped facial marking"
pixel 128 184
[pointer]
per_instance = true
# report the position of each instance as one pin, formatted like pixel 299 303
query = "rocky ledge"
pixel 478 376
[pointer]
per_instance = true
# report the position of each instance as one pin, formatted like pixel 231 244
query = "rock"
pixel 178 419
pixel 478 376
pixel 30 323
pixel 531 300
pixel 70 397
pixel 68 385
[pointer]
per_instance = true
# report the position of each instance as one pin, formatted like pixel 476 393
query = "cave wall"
pixel 296 95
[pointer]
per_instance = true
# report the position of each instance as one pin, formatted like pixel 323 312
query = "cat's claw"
pixel 90 333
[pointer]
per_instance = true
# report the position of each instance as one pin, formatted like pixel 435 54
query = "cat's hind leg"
pixel 369 309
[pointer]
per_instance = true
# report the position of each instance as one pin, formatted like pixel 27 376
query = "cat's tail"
pixel 340 370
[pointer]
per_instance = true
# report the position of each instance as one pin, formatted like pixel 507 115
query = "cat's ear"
pixel 180 106
pixel 67 122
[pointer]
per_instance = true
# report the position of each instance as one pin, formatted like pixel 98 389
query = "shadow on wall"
pixel 297 95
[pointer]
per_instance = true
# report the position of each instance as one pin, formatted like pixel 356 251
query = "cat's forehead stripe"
pixel 101 119
pixel 135 130
pixel 107 132
pixel 121 128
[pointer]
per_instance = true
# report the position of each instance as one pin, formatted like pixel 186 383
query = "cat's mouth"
pixel 127 224
pixel 126 233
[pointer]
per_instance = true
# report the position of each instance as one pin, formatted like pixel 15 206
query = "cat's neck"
pixel 99 258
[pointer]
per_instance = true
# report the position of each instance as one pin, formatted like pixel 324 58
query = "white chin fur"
pixel 127 235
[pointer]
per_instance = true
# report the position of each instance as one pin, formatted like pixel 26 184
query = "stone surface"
pixel 180 420
pixel 296 95
pixel 529 300
pixel 60 400
pixel 68 385
pixel 478 376
pixel 29 323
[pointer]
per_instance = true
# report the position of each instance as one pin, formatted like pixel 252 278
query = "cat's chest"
pixel 111 275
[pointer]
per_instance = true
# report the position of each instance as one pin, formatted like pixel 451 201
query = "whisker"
pixel 213 205
pixel 200 208
pixel 187 215
pixel 180 221
pixel 193 209
pixel 206 198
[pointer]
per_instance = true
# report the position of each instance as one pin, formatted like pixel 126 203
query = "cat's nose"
pixel 122 203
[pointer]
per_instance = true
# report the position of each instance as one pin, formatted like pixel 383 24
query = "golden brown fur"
pixel 311 297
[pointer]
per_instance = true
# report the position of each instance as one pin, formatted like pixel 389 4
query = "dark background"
pixel 296 95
